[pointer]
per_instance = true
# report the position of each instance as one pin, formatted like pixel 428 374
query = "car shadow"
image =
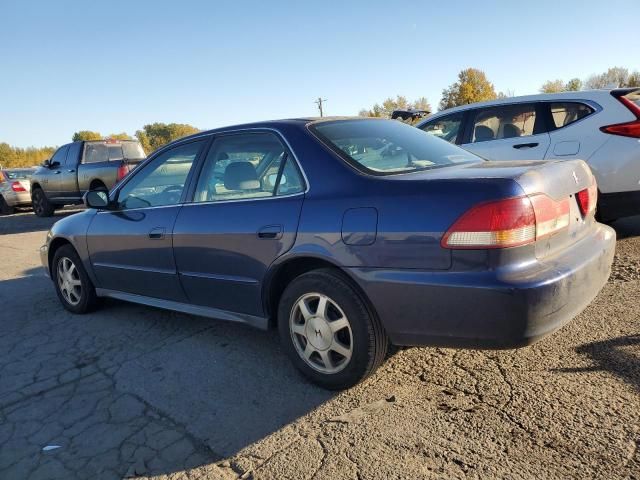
pixel 627 227
pixel 130 389
pixel 26 221
pixel 613 356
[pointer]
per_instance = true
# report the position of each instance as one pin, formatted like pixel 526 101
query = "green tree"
pixel 552 86
pixel 120 136
pixel 12 157
pixel 472 86
pixel 86 135
pixel 399 103
pixel 156 135
pixel 634 79
pixel 573 85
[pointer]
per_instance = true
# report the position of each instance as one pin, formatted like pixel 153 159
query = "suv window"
pixel 162 181
pixel 496 123
pixel 447 127
pixel 249 165
pixel 95 152
pixel 565 113
pixel 60 155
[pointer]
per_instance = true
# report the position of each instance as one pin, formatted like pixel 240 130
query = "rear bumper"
pixel 491 309
pixel 617 205
pixel 17 199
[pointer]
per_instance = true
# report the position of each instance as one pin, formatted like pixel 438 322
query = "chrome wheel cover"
pixel 69 281
pixel 321 333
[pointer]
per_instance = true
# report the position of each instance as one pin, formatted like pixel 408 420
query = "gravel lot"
pixel 134 391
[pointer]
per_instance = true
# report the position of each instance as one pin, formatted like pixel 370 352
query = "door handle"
pixel 157 233
pixel 58 172
pixel 270 232
pixel 525 145
pixel 70 171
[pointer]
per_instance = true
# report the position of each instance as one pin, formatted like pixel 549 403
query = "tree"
pixel 552 86
pixel 573 85
pixel 399 103
pixel 634 79
pixel 86 135
pixel 472 86
pixel 155 135
pixel 120 136
pixel 613 78
pixel 12 157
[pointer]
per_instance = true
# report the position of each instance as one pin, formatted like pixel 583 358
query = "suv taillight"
pixel 122 171
pixel 17 187
pixel 627 129
pixel 508 223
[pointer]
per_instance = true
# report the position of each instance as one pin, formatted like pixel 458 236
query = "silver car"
pixel 15 189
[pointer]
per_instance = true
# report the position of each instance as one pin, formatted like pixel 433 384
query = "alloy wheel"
pixel 321 333
pixel 69 281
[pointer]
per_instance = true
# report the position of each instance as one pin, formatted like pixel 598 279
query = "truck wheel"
pixel 5 209
pixel 41 205
pixel 328 331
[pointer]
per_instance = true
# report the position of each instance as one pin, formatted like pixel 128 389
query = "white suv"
pixel 601 127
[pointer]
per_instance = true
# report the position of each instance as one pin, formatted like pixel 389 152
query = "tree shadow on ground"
pixel 614 356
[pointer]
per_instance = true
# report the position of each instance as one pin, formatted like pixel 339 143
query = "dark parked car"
pixel 78 167
pixel 345 234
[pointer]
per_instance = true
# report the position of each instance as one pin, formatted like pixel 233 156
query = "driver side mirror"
pixel 98 199
pixel 46 163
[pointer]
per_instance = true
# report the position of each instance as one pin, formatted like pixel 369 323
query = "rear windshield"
pixel 95 152
pixel 18 174
pixel 383 147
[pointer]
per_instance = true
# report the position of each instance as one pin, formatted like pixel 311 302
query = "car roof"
pixel 573 95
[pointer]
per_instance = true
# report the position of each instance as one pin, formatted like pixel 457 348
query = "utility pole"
pixel 319 102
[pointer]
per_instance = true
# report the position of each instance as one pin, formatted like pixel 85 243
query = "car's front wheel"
pixel 73 286
pixel 41 205
pixel 328 331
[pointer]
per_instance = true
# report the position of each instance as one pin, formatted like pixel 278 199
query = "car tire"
pixel 40 203
pixel 73 286
pixel 5 208
pixel 348 342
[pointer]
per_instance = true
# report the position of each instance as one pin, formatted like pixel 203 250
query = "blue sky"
pixel 114 66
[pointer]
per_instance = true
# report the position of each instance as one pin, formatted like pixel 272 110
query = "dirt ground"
pixel 134 391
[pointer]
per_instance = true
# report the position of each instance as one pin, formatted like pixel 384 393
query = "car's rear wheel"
pixel 73 286
pixel 41 205
pixel 5 208
pixel 328 331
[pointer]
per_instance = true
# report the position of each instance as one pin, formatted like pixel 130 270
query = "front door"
pixel 54 175
pixel 244 215
pixel 131 245
pixel 68 177
pixel 508 132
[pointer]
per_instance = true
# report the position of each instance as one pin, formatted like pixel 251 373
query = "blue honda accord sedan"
pixel 345 235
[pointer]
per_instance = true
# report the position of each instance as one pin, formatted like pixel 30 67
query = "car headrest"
pixel 510 130
pixel 241 176
pixel 483 133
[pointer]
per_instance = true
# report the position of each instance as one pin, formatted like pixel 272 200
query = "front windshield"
pixel 382 147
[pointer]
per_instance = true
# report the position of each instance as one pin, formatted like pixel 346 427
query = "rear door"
pixel 571 136
pixel 507 132
pixel 69 174
pixel 131 246
pixel 244 215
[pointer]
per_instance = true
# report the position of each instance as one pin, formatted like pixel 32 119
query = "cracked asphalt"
pixel 131 391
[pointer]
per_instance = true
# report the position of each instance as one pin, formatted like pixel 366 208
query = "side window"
pixel 95 152
pixel 162 181
pixel 73 154
pixel 61 155
pixel 248 165
pixel 565 113
pixel 446 127
pixel 501 122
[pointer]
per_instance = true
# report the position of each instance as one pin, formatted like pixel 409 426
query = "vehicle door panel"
pixel 53 180
pixel 69 176
pixel 131 247
pixel 508 132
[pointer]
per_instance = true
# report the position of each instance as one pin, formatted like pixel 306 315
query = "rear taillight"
pixel 17 187
pixel 122 171
pixel 508 223
pixel 587 199
pixel 627 129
